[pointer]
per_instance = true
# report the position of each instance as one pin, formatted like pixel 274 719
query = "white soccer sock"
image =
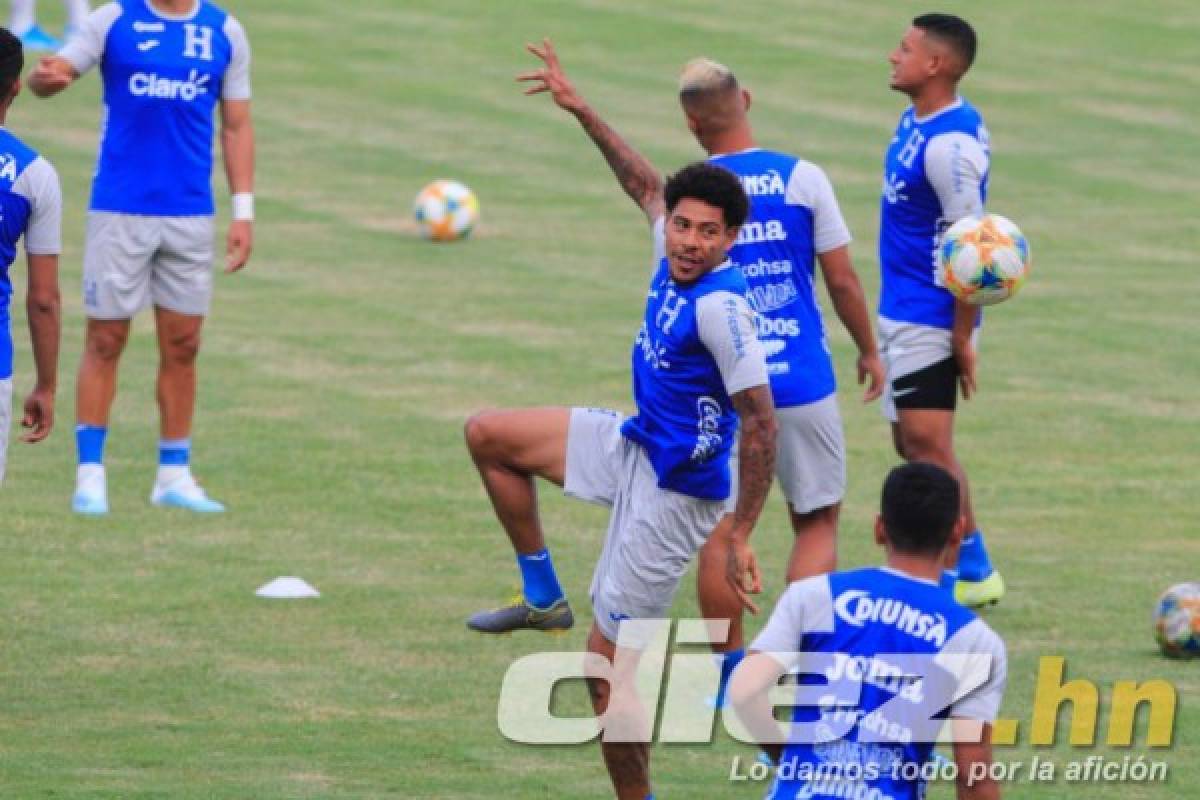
pixel 169 474
pixel 77 11
pixel 23 16
pixel 90 476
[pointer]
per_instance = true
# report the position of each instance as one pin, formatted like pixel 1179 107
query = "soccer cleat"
pixel 37 39
pixel 185 493
pixel 977 594
pixel 90 503
pixel 519 614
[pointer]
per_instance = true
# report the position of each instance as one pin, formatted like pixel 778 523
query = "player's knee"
pixel 479 432
pixel 106 344
pixel 181 349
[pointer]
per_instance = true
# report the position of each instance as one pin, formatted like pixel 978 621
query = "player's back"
pixel 793 216
pixel 880 641
pixel 911 214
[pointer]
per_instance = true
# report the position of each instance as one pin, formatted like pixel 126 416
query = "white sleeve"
pixel 85 48
pixel 806 607
pixel 809 186
pixel 658 230
pixel 727 327
pixel 955 164
pixel 982 702
pixel 39 185
pixel 236 85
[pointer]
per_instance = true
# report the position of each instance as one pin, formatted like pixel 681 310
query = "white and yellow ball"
pixel 446 211
pixel 983 260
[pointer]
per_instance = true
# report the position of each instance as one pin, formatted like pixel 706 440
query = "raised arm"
pixel 637 176
pixel 51 75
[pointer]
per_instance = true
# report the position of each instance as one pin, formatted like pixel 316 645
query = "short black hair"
pixel 12 62
pixel 710 184
pixel 954 31
pixel 920 506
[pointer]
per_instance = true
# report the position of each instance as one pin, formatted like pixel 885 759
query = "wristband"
pixel 243 206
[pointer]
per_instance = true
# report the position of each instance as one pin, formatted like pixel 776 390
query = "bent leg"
pixel 510 448
pixel 719 603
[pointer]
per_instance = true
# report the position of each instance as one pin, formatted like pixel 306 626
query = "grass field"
pixel 135 661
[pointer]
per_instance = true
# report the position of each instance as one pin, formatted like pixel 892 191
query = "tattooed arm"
pixel 636 175
pixel 756 456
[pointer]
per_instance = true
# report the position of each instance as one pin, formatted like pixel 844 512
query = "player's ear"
pixel 746 100
pixel 957 532
pixel 880 534
pixel 692 123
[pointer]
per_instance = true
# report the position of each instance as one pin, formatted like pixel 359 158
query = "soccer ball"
pixel 446 211
pixel 983 260
pixel 1177 621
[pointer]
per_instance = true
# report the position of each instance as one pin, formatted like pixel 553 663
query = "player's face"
pixel 910 62
pixel 697 239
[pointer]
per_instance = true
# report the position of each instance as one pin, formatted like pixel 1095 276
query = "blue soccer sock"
pixel 539 582
pixel 89 443
pixel 174 452
pixel 973 561
pixel 729 662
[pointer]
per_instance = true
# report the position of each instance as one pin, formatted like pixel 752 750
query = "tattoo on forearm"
pixel 636 175
pixel 756 453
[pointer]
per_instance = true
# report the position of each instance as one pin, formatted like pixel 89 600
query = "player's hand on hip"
pixel 238 244
pixel 39 415
pixel 551 78
pixel 964 356
pixel 871 372
pixel 741 570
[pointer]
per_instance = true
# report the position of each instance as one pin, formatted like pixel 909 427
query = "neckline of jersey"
pixel 173 17
pixel 899 573
pixel 735 152
pixel 958 101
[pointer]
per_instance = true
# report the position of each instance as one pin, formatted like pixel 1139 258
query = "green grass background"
pixel 135 661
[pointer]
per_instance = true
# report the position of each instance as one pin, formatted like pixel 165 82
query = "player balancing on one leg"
pixel 936 173
pixel 698 376
pixel 166 64
pixel 31 208
pixel 794 221
pixel 885 730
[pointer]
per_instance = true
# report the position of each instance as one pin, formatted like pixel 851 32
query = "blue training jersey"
pixel 685 418
pixel 879 646
pixel 163 76
pixel 927 162
pixel 793 217
pixel 30 206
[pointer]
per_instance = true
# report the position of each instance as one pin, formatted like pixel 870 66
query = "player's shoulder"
pixel 16 156
pixel 807 183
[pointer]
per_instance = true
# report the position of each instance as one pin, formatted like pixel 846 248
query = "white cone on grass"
pixel 287 587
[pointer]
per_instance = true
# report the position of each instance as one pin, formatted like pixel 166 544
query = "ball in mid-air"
pixel 446 211
pixel 983 260
pixel 1177 621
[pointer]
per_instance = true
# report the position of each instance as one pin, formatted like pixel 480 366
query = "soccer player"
pixel 30 206
pixel 794 220
pixel 699 375
pixel 936 173
pixel 893 656
pixel 23 22
pixel 165 65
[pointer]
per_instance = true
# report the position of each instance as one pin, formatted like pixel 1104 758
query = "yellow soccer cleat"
pixel 977 594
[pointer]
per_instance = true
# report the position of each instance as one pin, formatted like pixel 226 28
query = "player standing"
pixel 935 173
pixel 698 376
pixel 166 64
pixel 794 221
pixel 893 656
pixel 30 206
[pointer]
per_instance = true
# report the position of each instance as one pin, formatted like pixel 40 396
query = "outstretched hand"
pixel 551 78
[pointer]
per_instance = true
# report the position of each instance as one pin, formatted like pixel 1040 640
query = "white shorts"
pixel 5 421
pixel 132 261
pixel 920 367
pixel 652 533
pixel 810 456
